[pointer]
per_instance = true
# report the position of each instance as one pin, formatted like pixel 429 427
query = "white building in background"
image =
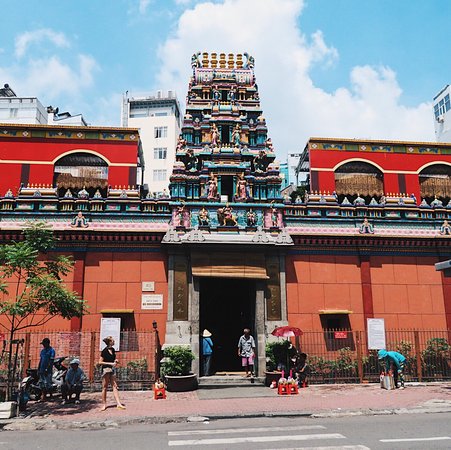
pixel 29 110
pixel 442 115
pixel 158 119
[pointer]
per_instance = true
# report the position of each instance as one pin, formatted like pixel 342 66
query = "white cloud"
pixel 24 40
pixel 294 107
pixel 143 5
pixel 49 78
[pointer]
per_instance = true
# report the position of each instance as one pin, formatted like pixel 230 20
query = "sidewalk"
pixel 316 401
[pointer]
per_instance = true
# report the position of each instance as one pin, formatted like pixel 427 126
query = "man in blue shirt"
pixel 45 368
pixel 396 361
pixel 73 383
pixel 207 351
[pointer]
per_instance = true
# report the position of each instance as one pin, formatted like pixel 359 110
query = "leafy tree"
pixel 32 286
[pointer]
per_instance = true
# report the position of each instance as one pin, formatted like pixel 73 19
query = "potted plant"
pixel 176 369
pixel 276 360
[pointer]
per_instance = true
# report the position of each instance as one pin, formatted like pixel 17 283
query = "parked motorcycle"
pixel 30 384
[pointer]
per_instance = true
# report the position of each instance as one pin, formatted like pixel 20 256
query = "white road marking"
pixel 333 447
pixel 246 430
pixel 242 440
pixel 438 438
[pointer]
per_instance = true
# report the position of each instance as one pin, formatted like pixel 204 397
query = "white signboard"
pixel 148 286
pixel 152 301
pixel 376 334
pixel 110 326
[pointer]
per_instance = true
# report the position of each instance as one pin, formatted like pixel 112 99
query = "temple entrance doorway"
pixel 227 306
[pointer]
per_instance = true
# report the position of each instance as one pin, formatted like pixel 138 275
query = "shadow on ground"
pixel 55 408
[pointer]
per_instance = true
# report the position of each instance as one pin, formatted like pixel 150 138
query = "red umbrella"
pixel 287 331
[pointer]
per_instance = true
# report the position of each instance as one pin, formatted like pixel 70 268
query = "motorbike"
pixel 30 384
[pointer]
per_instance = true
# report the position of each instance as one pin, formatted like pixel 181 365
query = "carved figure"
pixel 359 201
pixel 181 143
pixel 79 221
pixel 212 187
pixel 436 203
pixel 9 194
pixel 445 229
pixel 180 215
pixel 68 194
pixel 274 216
pixel 190 160
pixel 231 95
pixel 236 135
pixel 195 60
pixel 268 145
pixel 97 194
pixel 260 161
pixel 216 95
pixel 83 194
pixel 204 217
pixel 250 61
pixel 251 218
pixel 214 135
pixel 366 227
pixel 226 217
pixel 241 188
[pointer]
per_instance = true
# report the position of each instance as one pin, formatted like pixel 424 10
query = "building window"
pixel 161 132
pixel 160 152
pixel 159 175
pixel 442 106
pixel 13 112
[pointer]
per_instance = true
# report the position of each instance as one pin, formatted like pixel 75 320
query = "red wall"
pixel 406 291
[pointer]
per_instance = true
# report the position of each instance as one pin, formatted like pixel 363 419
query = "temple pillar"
pixel 367 293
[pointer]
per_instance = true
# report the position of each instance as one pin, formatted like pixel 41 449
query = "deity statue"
pixel 229 218
pixel 216 95
pixel 190 160
pixel 274 216
pixel 366 227
pixel 214 135
pixel 68 194
pixel 445 229
pixel 268 144
pixel 260 161
pixel 251 218
pixel 231 95
pixel 181 143
pixel 195 60
pixel 83 194
pixel 97 194
pixel 204 217
pixel 180 215
pixel 241 188
pixel 250 61
pixel 9 194
pixel 236 135
pixel 79 221
pixel 212 187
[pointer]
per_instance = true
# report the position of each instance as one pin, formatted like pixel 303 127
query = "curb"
pixel 50 424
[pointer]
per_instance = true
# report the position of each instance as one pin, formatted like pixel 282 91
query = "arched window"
pixel 80 171
pixel 435 180
pixel 359 177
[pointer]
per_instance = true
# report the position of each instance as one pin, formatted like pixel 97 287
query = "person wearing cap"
pixel 73 383
pixel 207 352
pixel 45 367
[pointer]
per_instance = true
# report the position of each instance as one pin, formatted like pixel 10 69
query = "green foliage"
pixel 178 360
pixel 300 191
pixel 435 356
pixel 276 353
pixel 33 290
pixel 138 364
pixel 437 347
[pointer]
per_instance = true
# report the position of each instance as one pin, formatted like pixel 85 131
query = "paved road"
pixel 408 431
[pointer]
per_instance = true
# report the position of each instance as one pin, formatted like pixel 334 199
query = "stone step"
pixel 220 381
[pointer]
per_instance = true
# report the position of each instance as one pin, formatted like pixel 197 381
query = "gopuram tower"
pixel 225 173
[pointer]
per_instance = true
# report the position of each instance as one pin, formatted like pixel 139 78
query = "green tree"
pixel 32 288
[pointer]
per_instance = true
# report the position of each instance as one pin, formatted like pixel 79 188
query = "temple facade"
pixel 224 250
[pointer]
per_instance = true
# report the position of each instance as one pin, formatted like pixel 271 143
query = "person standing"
pixel 45 368
pixel 73 383
pixel 207 352
pixel 246 349
pixel 108 362
pixel 395 361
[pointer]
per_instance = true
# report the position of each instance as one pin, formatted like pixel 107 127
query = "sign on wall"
pixel 376 334
pixel 148 286
pixel 110 326
pixel 152 301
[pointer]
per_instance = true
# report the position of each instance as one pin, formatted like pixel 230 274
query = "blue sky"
pixel 332 68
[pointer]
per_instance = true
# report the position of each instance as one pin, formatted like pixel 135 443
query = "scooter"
pixel 30 384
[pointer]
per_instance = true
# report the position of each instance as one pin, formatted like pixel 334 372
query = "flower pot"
pixel 181 383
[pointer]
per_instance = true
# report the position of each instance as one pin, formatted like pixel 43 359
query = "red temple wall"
pixel 406 291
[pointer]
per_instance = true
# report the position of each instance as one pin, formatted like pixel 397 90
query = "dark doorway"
pixel 225 134
pixel 227 186
pixel 227 306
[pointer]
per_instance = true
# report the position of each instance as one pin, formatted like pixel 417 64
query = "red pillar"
pixel 413 186
pixel 391 184
pixel 446 284
pixel 367 293
pixel 78 284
